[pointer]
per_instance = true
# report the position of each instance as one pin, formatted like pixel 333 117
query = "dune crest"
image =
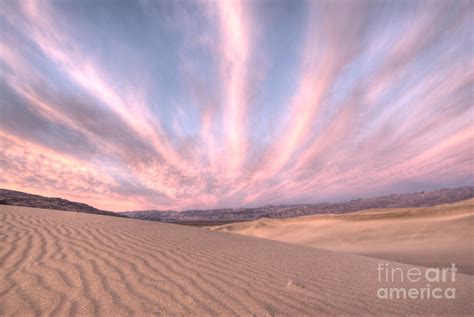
pixel 432 236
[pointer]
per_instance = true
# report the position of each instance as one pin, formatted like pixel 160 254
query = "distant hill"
pixel 419 199
pixel 15 198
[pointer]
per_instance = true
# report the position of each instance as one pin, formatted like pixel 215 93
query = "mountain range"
pixel 418 199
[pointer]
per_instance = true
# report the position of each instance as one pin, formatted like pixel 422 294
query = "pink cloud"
pixel 366 109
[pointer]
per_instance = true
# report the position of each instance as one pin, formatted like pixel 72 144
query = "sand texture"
pixel 64 263
pixel 432 236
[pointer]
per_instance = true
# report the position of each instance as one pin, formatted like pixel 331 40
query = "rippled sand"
pixel 64 263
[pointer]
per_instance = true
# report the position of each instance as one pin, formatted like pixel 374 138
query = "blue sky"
pixel 178 105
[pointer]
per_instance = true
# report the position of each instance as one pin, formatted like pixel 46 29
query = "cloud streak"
pixel 234 103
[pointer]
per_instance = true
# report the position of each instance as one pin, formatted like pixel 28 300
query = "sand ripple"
pixel 63 263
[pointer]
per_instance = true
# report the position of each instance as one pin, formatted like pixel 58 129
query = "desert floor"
pixel 432 237
pixel 64 263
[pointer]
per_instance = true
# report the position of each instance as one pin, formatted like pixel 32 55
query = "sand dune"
pixel 432 236
pixel 62 263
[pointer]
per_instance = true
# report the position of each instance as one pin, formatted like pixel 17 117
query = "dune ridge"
pixel 430 236
pixel 61 263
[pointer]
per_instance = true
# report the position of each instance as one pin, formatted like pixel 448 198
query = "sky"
pixel 134 105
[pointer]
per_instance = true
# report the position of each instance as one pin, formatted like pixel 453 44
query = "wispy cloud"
pixel 234 51
pixel 234 103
